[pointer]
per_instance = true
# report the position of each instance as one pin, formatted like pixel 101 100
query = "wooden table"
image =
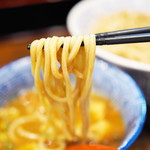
pixel 14 46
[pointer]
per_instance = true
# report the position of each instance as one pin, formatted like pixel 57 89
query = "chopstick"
pixel 123 39
pixel 135 35
pixel 125 32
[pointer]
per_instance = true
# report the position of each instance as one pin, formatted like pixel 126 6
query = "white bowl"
pixel 85 14
pixel 107 80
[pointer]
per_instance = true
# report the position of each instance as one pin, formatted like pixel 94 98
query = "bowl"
pixel 84 15
pixel 108 80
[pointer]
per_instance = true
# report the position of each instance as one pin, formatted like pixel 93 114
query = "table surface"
pixel 14 46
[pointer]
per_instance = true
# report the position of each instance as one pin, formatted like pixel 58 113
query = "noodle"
pixel 126 20
pixel 62 110
pixel 17 125
pixel 57 64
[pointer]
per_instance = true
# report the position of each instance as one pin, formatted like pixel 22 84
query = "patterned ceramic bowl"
pixel 107 80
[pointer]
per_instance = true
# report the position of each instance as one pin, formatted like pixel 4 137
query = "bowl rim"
pixel 125 145
pixel 121 61
pixel 72 26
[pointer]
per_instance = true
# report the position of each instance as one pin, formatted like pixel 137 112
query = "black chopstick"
pixel 124 32
pixel 135 35
pixel 139 38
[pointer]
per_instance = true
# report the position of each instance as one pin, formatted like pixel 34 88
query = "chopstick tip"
pixel 28 46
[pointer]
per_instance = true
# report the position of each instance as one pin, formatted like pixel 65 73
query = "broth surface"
pixel 26 122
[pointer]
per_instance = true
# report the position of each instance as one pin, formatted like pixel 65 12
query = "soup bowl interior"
pixel 108 80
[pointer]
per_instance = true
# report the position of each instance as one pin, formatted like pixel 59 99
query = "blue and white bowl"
pixel 107 80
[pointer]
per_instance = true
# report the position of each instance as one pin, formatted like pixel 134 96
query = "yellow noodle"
pixel 16 127
pixel 57 63
pixel 125 20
